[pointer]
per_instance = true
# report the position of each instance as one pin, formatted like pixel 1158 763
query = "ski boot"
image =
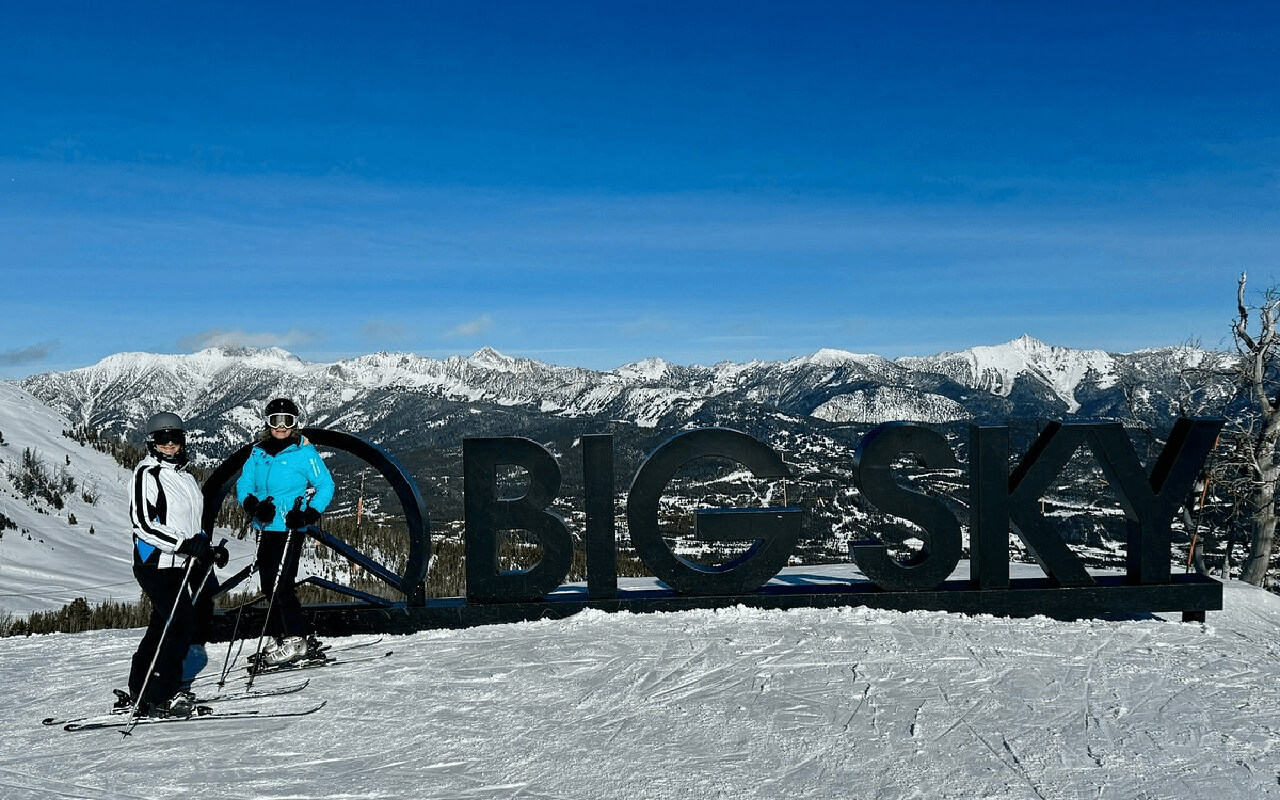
pixel 284 651
pixel 182 704
pixel 123 703
pixel 315 648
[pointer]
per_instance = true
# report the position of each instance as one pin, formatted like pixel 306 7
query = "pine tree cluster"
pixel 78 616
pixel 33 478
pixel 126 453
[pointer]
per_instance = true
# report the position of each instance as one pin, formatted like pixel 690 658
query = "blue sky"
pixel 592 183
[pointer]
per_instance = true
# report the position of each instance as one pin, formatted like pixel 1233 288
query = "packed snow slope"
pixel 52 555
pixel 736 703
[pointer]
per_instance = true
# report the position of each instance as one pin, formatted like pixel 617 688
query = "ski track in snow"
pixel 737 703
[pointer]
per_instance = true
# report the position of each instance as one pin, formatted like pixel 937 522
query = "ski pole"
pixel 155 656
pixel 235 630
pixel 195 594
pixel 271 601
pixel 204 581
pixel 275 587
pixel 235 634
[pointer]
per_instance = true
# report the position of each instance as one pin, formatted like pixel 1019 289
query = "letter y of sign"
pixel 1148 503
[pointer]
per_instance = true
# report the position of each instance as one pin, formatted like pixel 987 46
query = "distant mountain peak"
pixel 245 351
pixel 830 355
pixel 649 369
pixel 996 369
pixel 488 357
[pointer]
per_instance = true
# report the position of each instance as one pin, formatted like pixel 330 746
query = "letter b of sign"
pixel 486 515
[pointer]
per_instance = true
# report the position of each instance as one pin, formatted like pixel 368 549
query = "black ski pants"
pixel 286 618
pixel 162 587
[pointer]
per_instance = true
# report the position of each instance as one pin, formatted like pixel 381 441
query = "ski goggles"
pixel 169 437
pixel 281 420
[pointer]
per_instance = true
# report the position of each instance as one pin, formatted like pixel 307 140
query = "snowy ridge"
pixel 222 389
pixel 997 369
pixel 890 404
pixel 741 703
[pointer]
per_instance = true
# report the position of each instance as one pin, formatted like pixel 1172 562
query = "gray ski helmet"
pixel 167 422
pixel 164 421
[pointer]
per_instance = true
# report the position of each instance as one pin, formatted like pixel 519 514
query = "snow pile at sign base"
pixel 737 703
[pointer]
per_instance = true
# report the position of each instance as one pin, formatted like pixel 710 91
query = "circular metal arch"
pixel 413 583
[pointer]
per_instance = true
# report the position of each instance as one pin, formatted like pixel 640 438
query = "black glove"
pixel 266 512
pixel 197 547
pixel 219 555
pixel 250 505
pixel 300 519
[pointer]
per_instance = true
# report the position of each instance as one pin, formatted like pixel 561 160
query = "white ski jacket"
pixel 165 507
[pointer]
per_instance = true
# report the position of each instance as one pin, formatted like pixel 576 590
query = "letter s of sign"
pixel 872 470
pixel 773 530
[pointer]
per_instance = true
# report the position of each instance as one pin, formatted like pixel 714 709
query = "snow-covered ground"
pixel 738 703
pixel 47 560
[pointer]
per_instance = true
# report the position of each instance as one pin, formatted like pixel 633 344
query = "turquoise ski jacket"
pixel 284 478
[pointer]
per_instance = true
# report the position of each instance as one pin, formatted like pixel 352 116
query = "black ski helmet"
pixel 283 413
pixel 283 405
pixel 169 427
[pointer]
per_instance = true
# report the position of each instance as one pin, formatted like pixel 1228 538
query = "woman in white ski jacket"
pixel 283 486
pixel 165 507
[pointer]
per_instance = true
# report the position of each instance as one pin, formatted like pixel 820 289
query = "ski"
pixel 68 720
pixel 113 714
pixel 329 648
pixel 226 697
pixel 202 713
pixel 251 694
pixel 311 663
pixel 355 646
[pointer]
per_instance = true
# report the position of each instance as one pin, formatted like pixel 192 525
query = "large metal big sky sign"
pixel 1001 502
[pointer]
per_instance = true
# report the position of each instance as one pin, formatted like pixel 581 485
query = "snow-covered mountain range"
pixel 812 409
pixel 222 390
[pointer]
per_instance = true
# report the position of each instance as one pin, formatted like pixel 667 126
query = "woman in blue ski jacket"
pixel 283 486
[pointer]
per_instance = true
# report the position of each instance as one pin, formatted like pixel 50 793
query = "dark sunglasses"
pixel 169 437
pixel 281 421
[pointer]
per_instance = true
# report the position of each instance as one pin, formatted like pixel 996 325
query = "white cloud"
pixel 475 327
pixel 27 355
pixel 222 337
